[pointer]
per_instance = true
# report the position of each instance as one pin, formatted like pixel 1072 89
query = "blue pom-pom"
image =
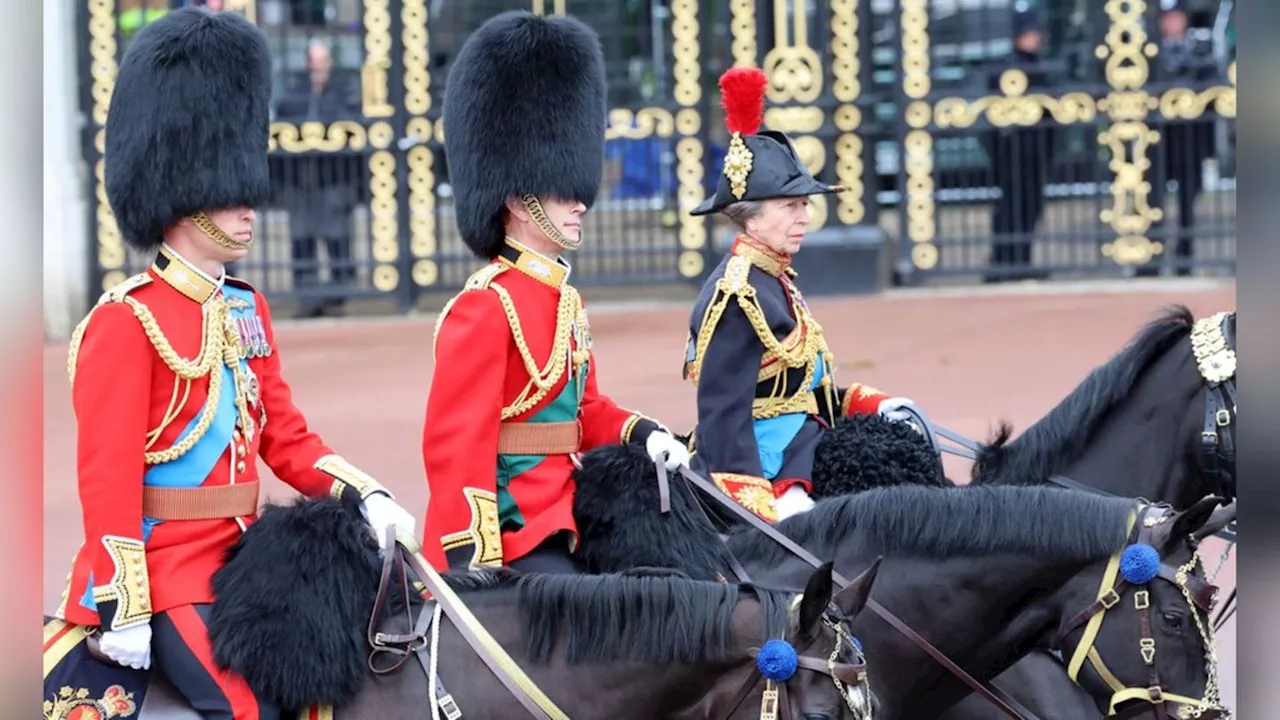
pixel 1139 563
pixel 777 660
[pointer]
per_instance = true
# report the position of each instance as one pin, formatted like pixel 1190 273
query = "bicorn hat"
pixel 524 114
pixel 759 164
pixel 187 126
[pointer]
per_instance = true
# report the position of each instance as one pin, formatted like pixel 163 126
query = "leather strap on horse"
pixel 997 697
pixel 494 656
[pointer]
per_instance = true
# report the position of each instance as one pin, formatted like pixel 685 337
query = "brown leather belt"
pixel 529 438
pixel 200 503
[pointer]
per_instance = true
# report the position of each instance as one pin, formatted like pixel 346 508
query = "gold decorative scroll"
pixel 377 60
pixel 846 87
pixel 687 70
pixel 1128 137
pixel 917 146
pixel 420 159
pixel 1014 107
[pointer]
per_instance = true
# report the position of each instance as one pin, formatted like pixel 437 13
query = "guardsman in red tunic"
pixel 514 394
pixel 176 380
pixel 763 371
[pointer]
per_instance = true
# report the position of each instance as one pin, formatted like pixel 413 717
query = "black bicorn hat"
pixel 759 164
pixel 524 114
pixel 187 126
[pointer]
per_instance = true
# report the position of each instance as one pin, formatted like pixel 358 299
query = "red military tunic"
pixel 495 496
pixel 149 429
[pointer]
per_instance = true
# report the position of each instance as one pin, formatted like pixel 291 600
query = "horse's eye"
pixel 1172 620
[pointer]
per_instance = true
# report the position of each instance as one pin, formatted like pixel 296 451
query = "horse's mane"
pixel 945 522
pixel 603 618
pixel 1060 436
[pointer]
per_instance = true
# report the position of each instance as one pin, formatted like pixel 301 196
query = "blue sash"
pixel 774 434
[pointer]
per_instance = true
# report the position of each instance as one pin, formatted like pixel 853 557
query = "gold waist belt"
pixel 805 402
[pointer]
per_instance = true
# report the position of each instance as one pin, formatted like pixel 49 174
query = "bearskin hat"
pixel 759 164
pixel 524 112
pixel 187 124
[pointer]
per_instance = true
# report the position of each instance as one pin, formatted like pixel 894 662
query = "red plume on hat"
pixel 742 94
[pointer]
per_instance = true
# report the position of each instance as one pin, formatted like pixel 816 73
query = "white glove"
pixel 131 647
pixel 659 442
pixel 793 502
pixel 892 409
pixel 380 511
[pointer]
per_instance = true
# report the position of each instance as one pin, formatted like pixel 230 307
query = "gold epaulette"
pixel 478 280
pixel 116 293
pixel 734 283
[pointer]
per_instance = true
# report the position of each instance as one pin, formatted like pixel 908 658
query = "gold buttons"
pixel 240 450
pixel 240 466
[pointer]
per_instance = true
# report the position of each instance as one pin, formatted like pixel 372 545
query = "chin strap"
pixel 208 227
pixel 534 206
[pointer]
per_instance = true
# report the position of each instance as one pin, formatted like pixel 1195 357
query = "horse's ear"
pixel 853 598
pixel 1220 518
pixel 817 595
pixel 1189 520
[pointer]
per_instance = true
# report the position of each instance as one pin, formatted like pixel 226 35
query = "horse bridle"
pixel 847 676
pixel 1198 593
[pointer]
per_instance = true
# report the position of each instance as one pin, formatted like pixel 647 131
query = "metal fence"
pixel 1097 157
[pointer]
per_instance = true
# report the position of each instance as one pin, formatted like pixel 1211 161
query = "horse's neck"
pixel 975 610
pixel 1141 453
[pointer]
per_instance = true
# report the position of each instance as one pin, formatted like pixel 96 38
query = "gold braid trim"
pixel 569 315
pixel 220 344
pixel 798 350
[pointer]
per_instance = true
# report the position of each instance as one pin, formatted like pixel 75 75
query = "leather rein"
pixel 850 678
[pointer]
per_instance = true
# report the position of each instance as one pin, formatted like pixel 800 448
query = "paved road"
pixel 969 358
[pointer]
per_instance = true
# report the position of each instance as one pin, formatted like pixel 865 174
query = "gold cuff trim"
pixel 350 476
pixel 130 586
pixel 858 390
pixel 484 534
pixel 751 492
pixel 628 427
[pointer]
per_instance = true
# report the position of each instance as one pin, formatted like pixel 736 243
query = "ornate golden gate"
pixel 1102 219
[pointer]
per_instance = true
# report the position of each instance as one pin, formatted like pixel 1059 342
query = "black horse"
pixel 985 574
pixel 298 591
pixel 1149 423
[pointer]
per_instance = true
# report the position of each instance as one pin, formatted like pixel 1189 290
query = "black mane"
pixel 604 618
pixel 1059 437
pixel 938 523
